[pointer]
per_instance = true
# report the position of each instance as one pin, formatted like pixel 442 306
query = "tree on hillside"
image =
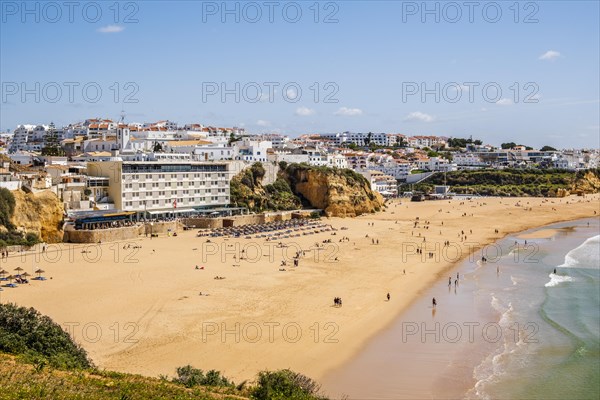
pixel 157 147
pixel 7 208
pixel 548 148
pixel 51 143
pixel 509 145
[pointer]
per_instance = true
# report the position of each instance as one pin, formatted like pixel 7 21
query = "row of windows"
pixel 158 168
pixel 180 192
pixel 182 201
pixel 172 184
pixel 175 176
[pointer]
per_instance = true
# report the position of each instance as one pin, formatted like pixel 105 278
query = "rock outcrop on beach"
pixel 339 192
pixel 248 190
pixel 40 213
pixel 587 182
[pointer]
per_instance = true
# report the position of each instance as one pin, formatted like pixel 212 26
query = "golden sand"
pixel 140 310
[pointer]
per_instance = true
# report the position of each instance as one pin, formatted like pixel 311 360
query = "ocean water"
pixel 557 353
pixel 511 328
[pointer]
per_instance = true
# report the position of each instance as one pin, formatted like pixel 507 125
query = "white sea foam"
pixel 587 255
pixel 556 280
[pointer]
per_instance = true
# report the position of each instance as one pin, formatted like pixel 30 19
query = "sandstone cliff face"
pixel 340 193
pixel 247 190
pixel 589 183
pixel 41 213
pixel 585 183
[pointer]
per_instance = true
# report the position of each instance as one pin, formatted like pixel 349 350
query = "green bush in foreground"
pixel 285 384
pixel 25 332
pixel 35 339
pixel 190 377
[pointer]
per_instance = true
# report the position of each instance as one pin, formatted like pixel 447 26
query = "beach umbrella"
pixel 39 272
pixel 18 269
pixel 3 272
pixel 25 274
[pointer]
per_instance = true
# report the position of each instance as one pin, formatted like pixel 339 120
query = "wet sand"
pixel 139 310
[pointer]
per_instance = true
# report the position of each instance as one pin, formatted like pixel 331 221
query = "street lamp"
pixel 151 225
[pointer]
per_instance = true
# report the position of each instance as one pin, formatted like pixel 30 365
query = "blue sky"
pixel 366 61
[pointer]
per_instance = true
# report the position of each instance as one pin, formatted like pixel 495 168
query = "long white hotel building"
pixel 164 188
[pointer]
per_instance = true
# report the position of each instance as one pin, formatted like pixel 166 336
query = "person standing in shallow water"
pixel 434 302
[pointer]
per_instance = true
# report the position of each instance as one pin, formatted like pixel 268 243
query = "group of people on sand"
pixel 455 281
pixel 337 301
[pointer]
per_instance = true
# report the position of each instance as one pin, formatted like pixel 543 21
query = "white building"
pixel 214 153
pixel 8 180
pixel 168 125
pixel 386 185
pixel 396 169
pixel 21 136
pixel 467 160
pixel 253 150
pixel 165 187
pixel 426 141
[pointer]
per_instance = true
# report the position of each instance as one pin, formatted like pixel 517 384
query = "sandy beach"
pixel 136 306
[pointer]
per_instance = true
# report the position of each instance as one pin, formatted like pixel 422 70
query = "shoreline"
pixel 152 319
pixel 444 380
pixel 448 269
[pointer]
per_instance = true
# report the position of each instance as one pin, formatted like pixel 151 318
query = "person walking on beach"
pixel 388 297
pixel 434 302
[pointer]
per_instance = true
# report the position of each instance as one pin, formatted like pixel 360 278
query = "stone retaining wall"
pixel 103 235
pixel 119 234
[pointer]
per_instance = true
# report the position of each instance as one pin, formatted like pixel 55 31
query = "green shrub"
pixel 7 208
pixel 25 332
pixel 284 385
pixel 190 377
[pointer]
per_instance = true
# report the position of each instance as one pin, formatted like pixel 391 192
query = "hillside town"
pixel 165 169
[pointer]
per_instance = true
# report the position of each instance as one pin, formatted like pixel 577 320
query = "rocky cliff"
pixel 40 213
pixel 339 192
pixel 248 190
pixel 587 182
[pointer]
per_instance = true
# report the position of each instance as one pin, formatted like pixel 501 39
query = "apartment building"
pixel 164 188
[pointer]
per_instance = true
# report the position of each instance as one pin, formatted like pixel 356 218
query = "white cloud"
pixel 111 29
pixel 504 102
pixel 291 94
pixel 304 111
pixel 419 117
pixel 550 55
pixel 262 122
pixel 349 112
